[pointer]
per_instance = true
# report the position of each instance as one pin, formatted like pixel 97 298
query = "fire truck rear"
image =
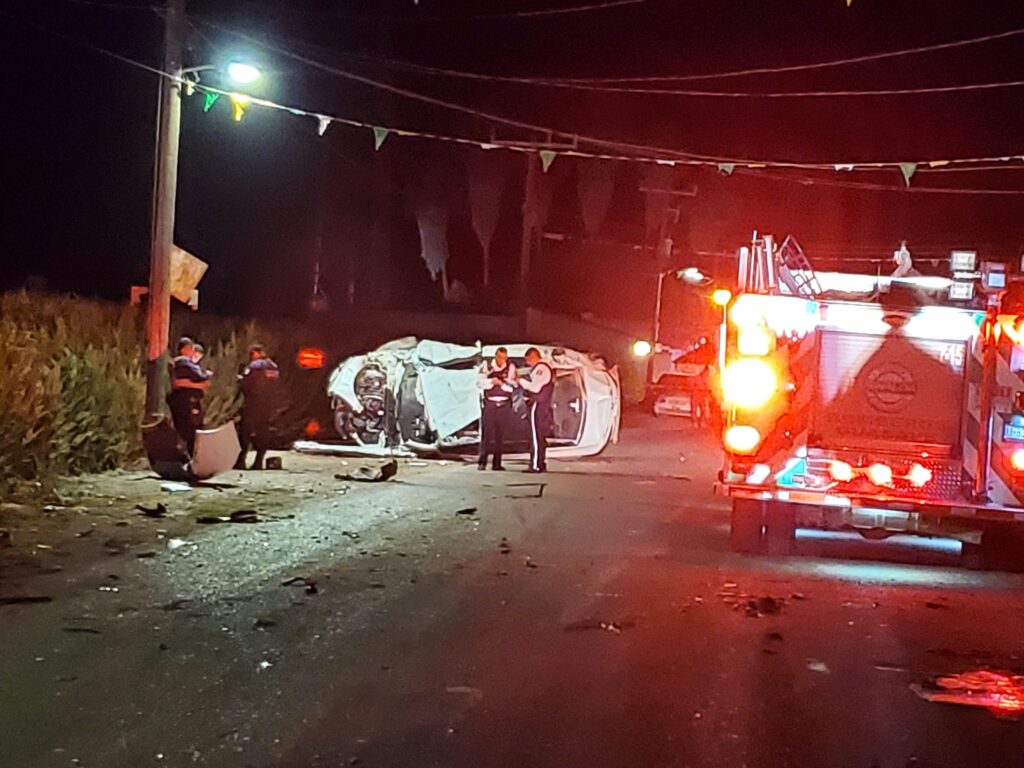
pixel 874 404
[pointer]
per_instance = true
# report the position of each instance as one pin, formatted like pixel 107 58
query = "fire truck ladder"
pixel 795 270
pixel 764 265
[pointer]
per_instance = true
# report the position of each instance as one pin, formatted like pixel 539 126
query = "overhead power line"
pixel 572 153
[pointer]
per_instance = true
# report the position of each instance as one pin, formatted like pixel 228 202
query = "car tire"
pixel 746 526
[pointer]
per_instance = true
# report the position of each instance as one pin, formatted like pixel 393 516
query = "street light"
pixel 242 73
pixel 165 193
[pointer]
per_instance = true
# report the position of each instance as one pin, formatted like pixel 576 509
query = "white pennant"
pixel 322 121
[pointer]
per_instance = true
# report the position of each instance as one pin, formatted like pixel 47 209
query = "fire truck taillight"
pixel 742 439
pixel 880 474
pixel 841 471
pixel 919 476
pixel 748 383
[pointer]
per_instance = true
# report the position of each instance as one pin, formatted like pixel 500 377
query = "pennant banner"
pixel 322 122
pixel 726 168
pixel 908 170
pixel 547 157
pixel 209 99
pixel 238 106
pixel 379 135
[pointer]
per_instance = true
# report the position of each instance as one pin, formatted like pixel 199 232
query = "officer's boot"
pixel 258 461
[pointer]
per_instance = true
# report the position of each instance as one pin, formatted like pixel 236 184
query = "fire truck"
pixel 880 404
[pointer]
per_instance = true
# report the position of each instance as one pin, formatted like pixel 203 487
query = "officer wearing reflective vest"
pixel 497 383
pixel 259 384
pixel 540 389
pixel 189 382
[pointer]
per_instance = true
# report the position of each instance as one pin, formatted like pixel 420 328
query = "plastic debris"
pixel 158 511
pixel 504 547
pixel 175 487
pixel 1001 693
pixel 24 599
pixel 385 471
pixel 175 543
pixel 301 581
pixel 818 666
pixel 614 627
pixel 466 511
pixel 238 516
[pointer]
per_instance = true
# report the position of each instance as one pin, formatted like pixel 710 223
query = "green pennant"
pixel 908 170
pixel 209 100
pixel 726 168
pixel 379 135
pixel 547 157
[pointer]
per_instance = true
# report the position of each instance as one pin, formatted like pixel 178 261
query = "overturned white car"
pixel 422 396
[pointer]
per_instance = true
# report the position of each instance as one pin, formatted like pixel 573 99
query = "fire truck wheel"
pixel 780 528
pixel 745 526
pixel 1002 547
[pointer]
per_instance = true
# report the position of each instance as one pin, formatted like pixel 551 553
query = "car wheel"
pixel 746 525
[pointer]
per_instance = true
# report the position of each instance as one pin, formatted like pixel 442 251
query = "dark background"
pixel 260 199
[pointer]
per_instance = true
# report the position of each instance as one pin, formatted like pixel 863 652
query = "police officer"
pixel 189 382
pixel 540 389
pixel 258 383
pixel 496 381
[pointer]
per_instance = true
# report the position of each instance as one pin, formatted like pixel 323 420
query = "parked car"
pixel 422 395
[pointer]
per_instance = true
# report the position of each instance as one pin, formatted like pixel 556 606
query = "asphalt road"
pixel 598 619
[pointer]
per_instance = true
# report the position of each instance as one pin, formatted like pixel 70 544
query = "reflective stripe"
pixel 534 454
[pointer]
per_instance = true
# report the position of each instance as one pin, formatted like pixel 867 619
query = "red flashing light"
pixel 880 474
pixel 312 428
pixel 311 357
pixel 841 471
pixel 1017 460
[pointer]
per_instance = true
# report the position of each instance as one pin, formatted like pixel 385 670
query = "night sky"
pixel 260 199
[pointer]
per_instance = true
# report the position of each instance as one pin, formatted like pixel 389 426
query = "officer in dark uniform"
pixel 540 390
pixel 259 384
pixel 496 381
pixel 189 382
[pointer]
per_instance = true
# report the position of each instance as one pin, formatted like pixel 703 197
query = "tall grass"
pixel 72 381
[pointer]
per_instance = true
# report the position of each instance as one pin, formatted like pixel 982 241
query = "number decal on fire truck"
pixel 953 355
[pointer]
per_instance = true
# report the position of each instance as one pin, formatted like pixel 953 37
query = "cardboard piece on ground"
pixel 216 451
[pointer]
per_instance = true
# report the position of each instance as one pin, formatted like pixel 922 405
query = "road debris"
pixel 5 537
pixel 753 606
pixel 263 624
pixel 81 630
pixel 158 511
pixel 379 474
pixel 238 516
pixel 274 462
pixel 146 555
pixel 614 627
pixel 176 604
pixel 530 564
pixel 526 490
pixel 772 643
pixel 466 511
pixel 504 547
pixel 818 666
pixel 24 599
pixel 175 487
pixel 1001 693
pixel 175 543
pixel 935 606
pixel 301 581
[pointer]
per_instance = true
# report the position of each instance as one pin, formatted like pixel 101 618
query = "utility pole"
pixel 166 187
pixel 529 223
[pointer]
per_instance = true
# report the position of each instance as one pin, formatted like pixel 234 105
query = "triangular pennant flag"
pixel 488 146
pixel 547 157
pixel 843 167
pixel 238 106
pixel 671 163
pixel 209 100
pixel 938 163
pixel 322 121
pixel 379 135
pixel 908 170
pixel 188 86
pixel 726 168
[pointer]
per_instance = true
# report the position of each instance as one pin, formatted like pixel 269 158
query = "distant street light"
pixel 642 348
pixel 693 276
pixel 720 297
